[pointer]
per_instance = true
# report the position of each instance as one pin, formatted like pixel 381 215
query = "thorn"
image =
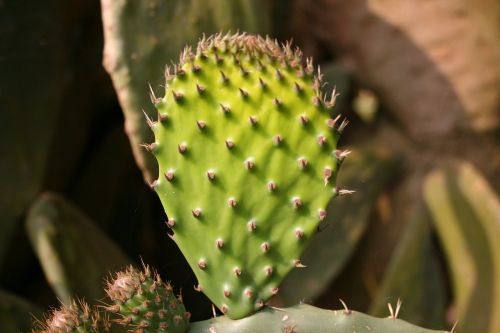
pixel 343 125
pixel 236 59
pixel 182 147
pixel 252 120
pixel 223 77
pixel 214 312
pixel 279 76
pixel 299 233
pixel 237 271
pixel 252 225
pixel 321 140
pixel 263 84
pixel 196 212
pixel 229 143
pixel 225 108
pixel 178 96
pixel 154 99
pixel 277 102
pixel 317 101
pixel 248 293
pixel 162 117
pixel 321 214
pixel 261 65
pixel 297 263
pixel 154 184
pixel 346 309
pixel 271 186
pixel 218 59
pixel 227 293
pixel 260 303
pixel 170 223
pixel 219 243
pixel 151 123
pixel 398 307
pixel 200 89
pixel 296 202
pixel 249 163
pixel 343 191
pixel 327 175
pixel 302 162
pixel 224 308
pixel 113 308
pixel 330 104
pixel 168 75
pixel 196 68
pixel 150 147
pixel 332 122
pixel 454 327
pixel 243 71
pixel 231 202
pixel 298 88
pixel 211 175
pixel 341 154
pixel 268 270
pixel 277 139
pixel 303 119
pixel 394 314
pixel 179 71
pixel 265 246
pixel 202 264
pixel 243 93
pixel 201 124
pixel 275 290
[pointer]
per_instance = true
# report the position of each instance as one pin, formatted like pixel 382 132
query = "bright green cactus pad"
pixel 247 156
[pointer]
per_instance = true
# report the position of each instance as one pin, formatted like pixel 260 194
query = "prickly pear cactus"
pixel 146 304
pixel 248 161
pixel 75 318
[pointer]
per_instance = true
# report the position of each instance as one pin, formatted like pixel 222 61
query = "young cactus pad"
pixel 146 304
pixel 247 157
pixel 75 318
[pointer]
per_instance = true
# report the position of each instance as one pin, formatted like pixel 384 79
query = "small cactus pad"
pixel 76 318
pixel 247 156
pixel 146 304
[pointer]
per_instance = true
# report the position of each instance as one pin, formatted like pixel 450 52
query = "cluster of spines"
pixel 75 318
pixel 254 47
pixel 145 303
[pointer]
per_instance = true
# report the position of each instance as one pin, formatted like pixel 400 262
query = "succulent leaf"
pixel 247 156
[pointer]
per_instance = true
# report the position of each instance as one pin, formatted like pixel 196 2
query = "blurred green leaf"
pixel 75 255
pixel 30 95
pixel 16 313
pixel 414 276
pixel 466 213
